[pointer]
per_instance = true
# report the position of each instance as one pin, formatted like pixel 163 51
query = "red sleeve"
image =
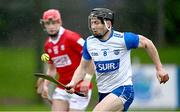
pixel 76 42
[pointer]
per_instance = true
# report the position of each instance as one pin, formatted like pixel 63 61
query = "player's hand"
pixel 39 85
pixel 162 76
pixel 70 88
pixel 45 93
pixel 83 87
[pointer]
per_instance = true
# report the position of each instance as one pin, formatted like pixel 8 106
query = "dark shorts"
pixel 125 92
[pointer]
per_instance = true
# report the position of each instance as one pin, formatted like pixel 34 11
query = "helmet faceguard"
pixel 102 14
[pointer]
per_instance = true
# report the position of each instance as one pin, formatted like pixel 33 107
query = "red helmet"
pixel 51 14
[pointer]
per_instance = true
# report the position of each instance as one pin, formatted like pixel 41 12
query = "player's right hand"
pixel 45 93
pixel 39 85
pixel 83 87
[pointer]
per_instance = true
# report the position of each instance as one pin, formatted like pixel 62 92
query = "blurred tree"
pixel 15 22
pixel 19 21
pixel 38 39
pixel 161 33
pixel 172 21
pixel 3 26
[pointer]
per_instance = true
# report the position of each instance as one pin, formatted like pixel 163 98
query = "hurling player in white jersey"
pixel 109 51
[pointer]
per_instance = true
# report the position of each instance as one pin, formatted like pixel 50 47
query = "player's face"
pixel 97 26
pixel 52 26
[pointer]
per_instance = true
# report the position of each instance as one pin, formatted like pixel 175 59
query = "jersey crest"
pixel 55 49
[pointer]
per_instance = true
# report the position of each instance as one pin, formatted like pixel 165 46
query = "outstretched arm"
pixel 80 73
pixel 148 45
pixel 52 72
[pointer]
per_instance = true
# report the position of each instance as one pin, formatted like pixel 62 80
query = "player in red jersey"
pixel 65 50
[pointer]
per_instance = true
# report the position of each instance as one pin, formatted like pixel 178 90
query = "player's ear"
pixel 60 21
pixel 109 24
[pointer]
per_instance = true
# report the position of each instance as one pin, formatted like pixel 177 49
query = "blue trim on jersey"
pixel 127 92
pixel 131 40
pixel 118 35
pixel 108 38
pixel 107 66
pixel 85 53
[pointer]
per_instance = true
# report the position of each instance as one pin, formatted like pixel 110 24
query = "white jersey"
pixel 111 59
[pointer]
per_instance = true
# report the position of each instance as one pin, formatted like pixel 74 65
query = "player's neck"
pixel 107 35
pixel 55 39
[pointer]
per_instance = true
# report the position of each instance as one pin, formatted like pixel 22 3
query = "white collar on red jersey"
pixel 61 31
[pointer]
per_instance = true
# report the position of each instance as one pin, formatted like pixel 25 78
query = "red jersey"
pixel 65 53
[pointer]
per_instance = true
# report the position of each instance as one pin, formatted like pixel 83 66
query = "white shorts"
pixel 75 101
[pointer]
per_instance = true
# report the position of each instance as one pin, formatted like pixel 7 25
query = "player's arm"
pixel 84 67
pixel 85 85
pixel 148 45
pixel 89 72
pixel 52 72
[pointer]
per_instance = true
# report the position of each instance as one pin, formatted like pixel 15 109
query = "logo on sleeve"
pixel 107 66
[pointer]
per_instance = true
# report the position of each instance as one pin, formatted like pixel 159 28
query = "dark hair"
pixel 103 13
